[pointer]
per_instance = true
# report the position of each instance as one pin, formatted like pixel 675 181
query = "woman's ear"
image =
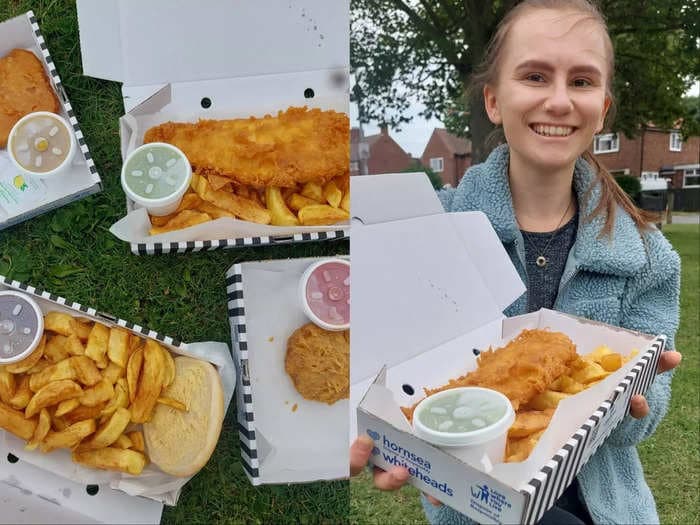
pixel 491 105
pixel 606 107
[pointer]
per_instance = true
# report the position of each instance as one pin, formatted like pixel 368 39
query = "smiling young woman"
pixel 579 243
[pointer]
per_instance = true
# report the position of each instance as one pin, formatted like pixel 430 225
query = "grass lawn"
pixel 671 456
pixel 71 253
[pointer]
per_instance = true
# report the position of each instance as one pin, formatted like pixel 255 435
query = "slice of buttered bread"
pixel 181 442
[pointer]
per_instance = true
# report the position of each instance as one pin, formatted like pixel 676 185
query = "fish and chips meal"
pixel 24 89
pixel 117 401
pixel 286 170
pixel 535 371
pixel 318 363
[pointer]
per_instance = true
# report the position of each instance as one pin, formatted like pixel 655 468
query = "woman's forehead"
pixel 556 35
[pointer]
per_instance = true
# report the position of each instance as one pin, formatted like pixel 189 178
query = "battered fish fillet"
pixel 318 362
pixel 521 369
pixel 297 146
pixel 24 88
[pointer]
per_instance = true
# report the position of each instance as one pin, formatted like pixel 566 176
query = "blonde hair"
pixel 487 73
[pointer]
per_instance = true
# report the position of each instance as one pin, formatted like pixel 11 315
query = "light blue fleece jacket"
pixel 629 280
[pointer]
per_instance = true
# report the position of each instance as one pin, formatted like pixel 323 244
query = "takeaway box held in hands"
pixel 460 280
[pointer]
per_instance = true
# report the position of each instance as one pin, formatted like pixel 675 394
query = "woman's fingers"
pixel 669 360
pixel 392 479
pixel 359 454
pixel 638 406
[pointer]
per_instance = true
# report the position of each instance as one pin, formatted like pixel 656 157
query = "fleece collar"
pixel 622 254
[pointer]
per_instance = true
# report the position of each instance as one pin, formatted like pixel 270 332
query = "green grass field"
pixel 71 253
pixel 671 457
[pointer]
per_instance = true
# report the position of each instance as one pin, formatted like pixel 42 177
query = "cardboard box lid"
pixel 404 304
pixel 210 39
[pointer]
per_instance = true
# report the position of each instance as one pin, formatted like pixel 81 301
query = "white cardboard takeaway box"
pixel 50 488
pixel 459 279
pixel 284 438
pixel 23 196
pixel 217 60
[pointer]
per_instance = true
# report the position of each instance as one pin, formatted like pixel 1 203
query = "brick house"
pixel 447 155
pixel 654 153
pixel 383 153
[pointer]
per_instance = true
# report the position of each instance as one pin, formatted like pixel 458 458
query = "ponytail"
pixel 612 195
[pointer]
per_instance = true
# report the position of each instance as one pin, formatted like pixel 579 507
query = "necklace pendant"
pixel 541 261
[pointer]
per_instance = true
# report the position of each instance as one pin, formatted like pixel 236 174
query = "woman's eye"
pixel 582 82
pixel 535 77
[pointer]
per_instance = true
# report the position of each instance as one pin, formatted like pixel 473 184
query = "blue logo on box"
pixel 375 451
pixel 374 435
pixel 488 501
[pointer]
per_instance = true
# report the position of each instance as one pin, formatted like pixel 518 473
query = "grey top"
pixel 543 281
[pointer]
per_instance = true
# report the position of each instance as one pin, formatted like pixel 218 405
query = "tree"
pixel 404 51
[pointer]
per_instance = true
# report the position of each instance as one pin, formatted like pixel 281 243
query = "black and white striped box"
pixel 81 178
pixel 275 424
pixel 80 494
pixel 511 493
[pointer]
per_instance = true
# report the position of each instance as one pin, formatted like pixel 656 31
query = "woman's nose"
pixel 559 99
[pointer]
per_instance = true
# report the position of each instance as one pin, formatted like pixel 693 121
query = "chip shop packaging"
pixel 44 160
pixel 241 61
pixel 126 425
pixel 459 280
pixel 293 379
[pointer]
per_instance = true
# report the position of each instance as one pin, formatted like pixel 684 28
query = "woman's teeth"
pixel 552 131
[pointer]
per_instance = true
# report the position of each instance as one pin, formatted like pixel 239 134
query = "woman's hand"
pixel 360 451
pixel 668 361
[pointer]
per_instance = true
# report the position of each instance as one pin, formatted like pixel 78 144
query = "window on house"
pixel 617 173
pixel 675 142
pixel 691 178
pixel 436 164
pixel 606 143
pixel 650 175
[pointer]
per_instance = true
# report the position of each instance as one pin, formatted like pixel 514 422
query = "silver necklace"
pixel 542 260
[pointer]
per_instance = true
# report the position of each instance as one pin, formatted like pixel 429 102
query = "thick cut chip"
pixel 190 201
pixel 82 413
pixel 22 393
pixel 321 214
pixel 332 194
pixel 118 346
pixel 69 437
pixel 281 215
pixel 528 422
pixel 28 362
pixel 133 372
pixel 123 441
pixel 246 209
pixel 113 372
pixel 183 219
pixel 547 399
pixel 59 323
pixel 297 201
pixel 588 373
pixel 66 406
pixel 15 423
pixel 611 362
pixel 119 400
pixel 52 394
pixel 97 345
pixel 214 211
pixel 74 346
pixel 137 440
pixel 168 363
pixel 150 385
pixel 566 384
pixel 345 203
pixel 79 368
pixel 101 392
pixel 108 433
pixel 314 191
pixel 7 385
pixel 55 349
pixel 42 428
pixel 82 328
pixel 519 449
pixel 112 458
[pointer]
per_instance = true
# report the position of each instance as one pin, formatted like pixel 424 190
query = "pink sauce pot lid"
pixel 21 326
pixel 324 292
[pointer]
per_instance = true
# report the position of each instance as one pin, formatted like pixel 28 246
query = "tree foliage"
pixel 408 51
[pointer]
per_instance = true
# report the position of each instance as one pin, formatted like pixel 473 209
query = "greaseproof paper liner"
pixel 152 483
pixel 167 105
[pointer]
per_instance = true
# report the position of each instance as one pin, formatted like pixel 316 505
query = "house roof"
pixel 455 144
